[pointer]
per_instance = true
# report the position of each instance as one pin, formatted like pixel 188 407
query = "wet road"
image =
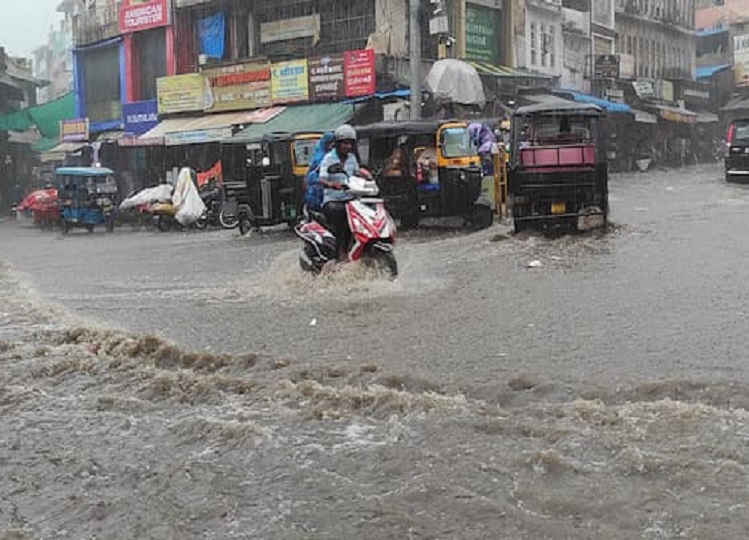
pixel 602 395
pixel 664 293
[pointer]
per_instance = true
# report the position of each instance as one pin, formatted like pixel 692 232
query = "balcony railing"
pixel 95 25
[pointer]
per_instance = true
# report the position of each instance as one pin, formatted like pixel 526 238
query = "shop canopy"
pixel 207 128
pixel 484 68
pixel 46 117
pixel 610 106
pixel 642 117
pixel 318 117
pixel 705 72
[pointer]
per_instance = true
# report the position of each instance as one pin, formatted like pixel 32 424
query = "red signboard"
pixel 326 77
pixel 143 16
pixel 359 67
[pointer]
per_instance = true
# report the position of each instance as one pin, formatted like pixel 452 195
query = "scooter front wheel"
pixel 385 260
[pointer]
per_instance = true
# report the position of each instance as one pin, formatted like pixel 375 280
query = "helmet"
pixel 345 133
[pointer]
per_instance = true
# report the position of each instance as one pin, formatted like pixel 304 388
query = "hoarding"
pixel 183 93
pixel 143 16
pixel 360 79
pixel 240 86
pixel 140 117
pixel 289 81
pixel 741 60
pixel 326 78
pixel 75 130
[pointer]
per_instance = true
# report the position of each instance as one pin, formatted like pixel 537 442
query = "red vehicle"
pixel 43 206
pixel 372 229
pixel 558 170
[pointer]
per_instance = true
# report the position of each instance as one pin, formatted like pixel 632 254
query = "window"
pixel 552 55
pixel 533 44
pixel 456 142
pixel 543 45
pixel 629 44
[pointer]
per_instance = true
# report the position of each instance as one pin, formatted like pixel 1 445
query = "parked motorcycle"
pixel 213 197
pixel 372 230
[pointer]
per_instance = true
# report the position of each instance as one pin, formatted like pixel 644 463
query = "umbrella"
pixel 455 81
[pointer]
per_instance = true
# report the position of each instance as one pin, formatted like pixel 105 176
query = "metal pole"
pixel 414 54
pixel 592 50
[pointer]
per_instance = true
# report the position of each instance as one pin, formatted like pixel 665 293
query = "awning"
pixel 610 106
pixel 484 68
pixel 46 117
pixel 318 117
pixel 710 32
pixel 11 87
pixel 30 136
pixel 207 128
pixel 642 117
pixel 67 148
pixel 705 72
pixel 737 104
pixel 674 114
pixel 707 118
pixel 545 99
pixel 109 136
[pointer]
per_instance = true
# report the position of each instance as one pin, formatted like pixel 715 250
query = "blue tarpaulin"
pixel 610 106
pixel 705 72
pixel 211 31
pixel 710 32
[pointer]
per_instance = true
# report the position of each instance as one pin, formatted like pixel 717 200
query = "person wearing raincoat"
pixel 315 190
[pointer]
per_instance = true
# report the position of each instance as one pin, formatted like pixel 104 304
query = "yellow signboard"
pixel 183 93
pixel 289 81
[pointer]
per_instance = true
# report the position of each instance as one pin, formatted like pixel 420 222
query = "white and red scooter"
pixel 372 230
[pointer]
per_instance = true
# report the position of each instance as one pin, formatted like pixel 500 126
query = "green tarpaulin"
pixel 46 117
pixel 319 117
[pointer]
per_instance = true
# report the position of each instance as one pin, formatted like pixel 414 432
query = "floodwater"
pixel 199 386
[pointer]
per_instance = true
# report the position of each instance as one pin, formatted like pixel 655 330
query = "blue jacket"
pixel 314 189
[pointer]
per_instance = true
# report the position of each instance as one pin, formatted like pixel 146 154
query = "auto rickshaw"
pixel 87 197
pixel 426 168
pixel 266 177
pixel 558 174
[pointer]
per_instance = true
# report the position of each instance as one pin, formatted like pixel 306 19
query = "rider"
pixel 335 196
pixel 315 190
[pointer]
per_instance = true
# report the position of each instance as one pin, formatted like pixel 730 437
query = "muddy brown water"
pixel 602 395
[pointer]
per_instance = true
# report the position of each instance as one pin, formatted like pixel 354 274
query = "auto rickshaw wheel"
pixel 483 216
pixel 90 227
pixel 246 224
pixel 163 223
pixel 109 225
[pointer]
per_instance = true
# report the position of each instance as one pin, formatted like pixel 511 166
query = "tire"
pixel 89 227
pixel 410 221
pixel 65 226
pixel 385 260
pixel 306 260
pixel 109 225
pixel 163 223
pixel 227 219
pixel 483 216
pixel 245 224
pixel 202 222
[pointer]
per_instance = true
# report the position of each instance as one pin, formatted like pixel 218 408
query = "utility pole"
pixel 592 51
pixel 414 55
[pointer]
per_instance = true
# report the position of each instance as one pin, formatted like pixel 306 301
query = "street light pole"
pixel 414 54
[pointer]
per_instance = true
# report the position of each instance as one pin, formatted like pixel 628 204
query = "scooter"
pixel 373 232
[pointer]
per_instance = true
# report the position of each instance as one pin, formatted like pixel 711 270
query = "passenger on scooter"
pixel 315 190
pixel 335 196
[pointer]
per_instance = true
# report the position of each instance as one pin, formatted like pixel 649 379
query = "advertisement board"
pixel 140 116
pixel 75 130
pixel 359 69
pixel 288 29
pixel 183 93
pixel 289 81
pixel 741 60
pixel 240 86
pixel 326 78
pixel 483 34
pixel 143 16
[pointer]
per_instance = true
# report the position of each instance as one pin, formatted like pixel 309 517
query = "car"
pixel 737 151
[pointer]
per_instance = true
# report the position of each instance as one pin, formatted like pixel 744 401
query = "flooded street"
pixel 197 385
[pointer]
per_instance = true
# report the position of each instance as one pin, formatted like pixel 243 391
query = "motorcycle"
pixel 212 195
pixel 372 230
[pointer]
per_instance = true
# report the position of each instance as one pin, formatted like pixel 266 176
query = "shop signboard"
pixel 359 69
pixel 741 60
pixel 326 78
pixel 482 34
pixel 198 136
pixel 75 130
pixel 139 16
pixel 289 29
pixel 240 86
pixel 289 81
pixel 183 93
pixel 607 66
pixel 626 66
pixel 140 117
pixel 644 89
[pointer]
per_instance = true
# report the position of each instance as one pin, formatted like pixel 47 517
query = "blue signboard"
pixel 139 117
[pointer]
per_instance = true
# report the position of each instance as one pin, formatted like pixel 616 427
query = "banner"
pixel 214 173
pixel 144 16
pixel 326 78
pixel 289 81
pixel 741 59
pixel 288 29
pixel 140 117
pixel 359 69
pixel 183 93
pixel 239 87
pixel 482 34
pixel 75 130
